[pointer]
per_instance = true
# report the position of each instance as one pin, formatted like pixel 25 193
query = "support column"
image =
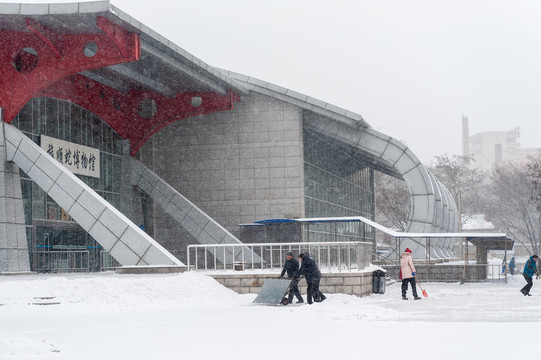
pixel 130 197
pixel 14 255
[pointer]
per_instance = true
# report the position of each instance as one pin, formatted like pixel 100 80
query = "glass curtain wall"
pixel 66 121
pixel 336 185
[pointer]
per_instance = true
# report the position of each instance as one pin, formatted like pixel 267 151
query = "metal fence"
pixel 107 262
pixel 452 273
pixel 332 256
pixel 60 261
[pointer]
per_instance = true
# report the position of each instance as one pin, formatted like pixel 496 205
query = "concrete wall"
pixel 351 283
pixel 237 166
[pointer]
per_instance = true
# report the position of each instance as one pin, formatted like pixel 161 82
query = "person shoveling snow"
pixel 407 272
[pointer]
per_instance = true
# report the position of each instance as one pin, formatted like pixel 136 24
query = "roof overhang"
pixel 491 243
pixel 163 67
pixel 98 57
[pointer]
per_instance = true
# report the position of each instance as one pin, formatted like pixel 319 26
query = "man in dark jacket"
pixel 529 270
pixel 291 266
pixel 512 266
pixel 313 276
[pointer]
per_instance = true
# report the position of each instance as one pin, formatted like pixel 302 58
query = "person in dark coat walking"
pixel 529 270
pixel 313 276
pixel 512 266
pixel 291 266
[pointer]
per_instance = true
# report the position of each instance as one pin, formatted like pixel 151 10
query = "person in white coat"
pixel 407 272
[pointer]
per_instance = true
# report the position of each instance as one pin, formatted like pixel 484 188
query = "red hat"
pixel 408 250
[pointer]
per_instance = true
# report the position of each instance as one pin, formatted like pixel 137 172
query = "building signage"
pixel 79 159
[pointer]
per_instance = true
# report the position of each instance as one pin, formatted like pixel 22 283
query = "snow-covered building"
pixel 117 142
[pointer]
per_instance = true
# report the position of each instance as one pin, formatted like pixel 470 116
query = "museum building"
pixel 119 146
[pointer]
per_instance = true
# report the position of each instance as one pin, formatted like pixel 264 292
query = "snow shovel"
pixel 422 290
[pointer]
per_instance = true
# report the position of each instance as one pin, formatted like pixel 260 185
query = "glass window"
pixel 52 209
pixel 97 183
pixel 51 119
pixel 117 143
pixel 38 202
pixel 36 117
pixel 64 120
pixel 96 133
pixel 336 184
pixel 107 139
pixel 116 173
pixel 25 118
pixel 26 187
pixel 116 201
pixel 76 125
pixel 107 172
pixel 86 128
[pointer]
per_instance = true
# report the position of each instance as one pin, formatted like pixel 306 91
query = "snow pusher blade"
pixel 273 292
pixel 422 290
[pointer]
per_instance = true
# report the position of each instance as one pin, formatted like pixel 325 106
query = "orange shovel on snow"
pixel 422 290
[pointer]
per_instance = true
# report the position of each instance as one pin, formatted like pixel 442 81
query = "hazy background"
pixel 411 68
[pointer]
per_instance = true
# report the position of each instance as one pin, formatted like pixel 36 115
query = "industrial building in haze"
pixel 118 144
pixel 490 148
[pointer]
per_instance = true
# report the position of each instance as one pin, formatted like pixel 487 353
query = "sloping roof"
pixel 301 100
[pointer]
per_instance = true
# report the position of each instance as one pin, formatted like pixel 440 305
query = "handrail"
pixel 451 273
pixel 327 253
pixel 61 261
pixel 397 234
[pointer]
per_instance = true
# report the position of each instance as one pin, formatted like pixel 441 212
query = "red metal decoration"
pixel 31 61
pixel 124 113
pixel 42 63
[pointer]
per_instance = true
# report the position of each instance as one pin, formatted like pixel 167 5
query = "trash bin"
pixel 378 286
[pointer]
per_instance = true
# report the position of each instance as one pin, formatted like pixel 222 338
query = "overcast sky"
pixel 410 68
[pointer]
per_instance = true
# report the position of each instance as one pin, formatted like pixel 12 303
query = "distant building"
pixel 494 147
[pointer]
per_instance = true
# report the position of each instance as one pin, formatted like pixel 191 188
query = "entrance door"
pixel 62 246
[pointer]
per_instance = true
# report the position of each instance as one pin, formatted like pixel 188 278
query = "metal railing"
pixel 333 256
pixel 60 261
pixel 451 273
pixel 107 262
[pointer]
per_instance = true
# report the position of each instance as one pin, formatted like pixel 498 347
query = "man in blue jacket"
pixel 313 276
pixel 529 270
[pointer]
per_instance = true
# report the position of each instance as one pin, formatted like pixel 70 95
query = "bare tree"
pixel 454 171
pixel 392 199
pixel 533 168
pixel 514 202
pixel 511 207
pixel 463 181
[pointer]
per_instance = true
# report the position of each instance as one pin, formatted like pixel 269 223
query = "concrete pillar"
pixel 130 197
pixel 14 255
pixel 481 254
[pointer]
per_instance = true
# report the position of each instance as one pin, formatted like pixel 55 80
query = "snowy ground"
pixel 190 316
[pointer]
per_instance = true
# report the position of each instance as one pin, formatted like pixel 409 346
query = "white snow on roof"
pixel 478 222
